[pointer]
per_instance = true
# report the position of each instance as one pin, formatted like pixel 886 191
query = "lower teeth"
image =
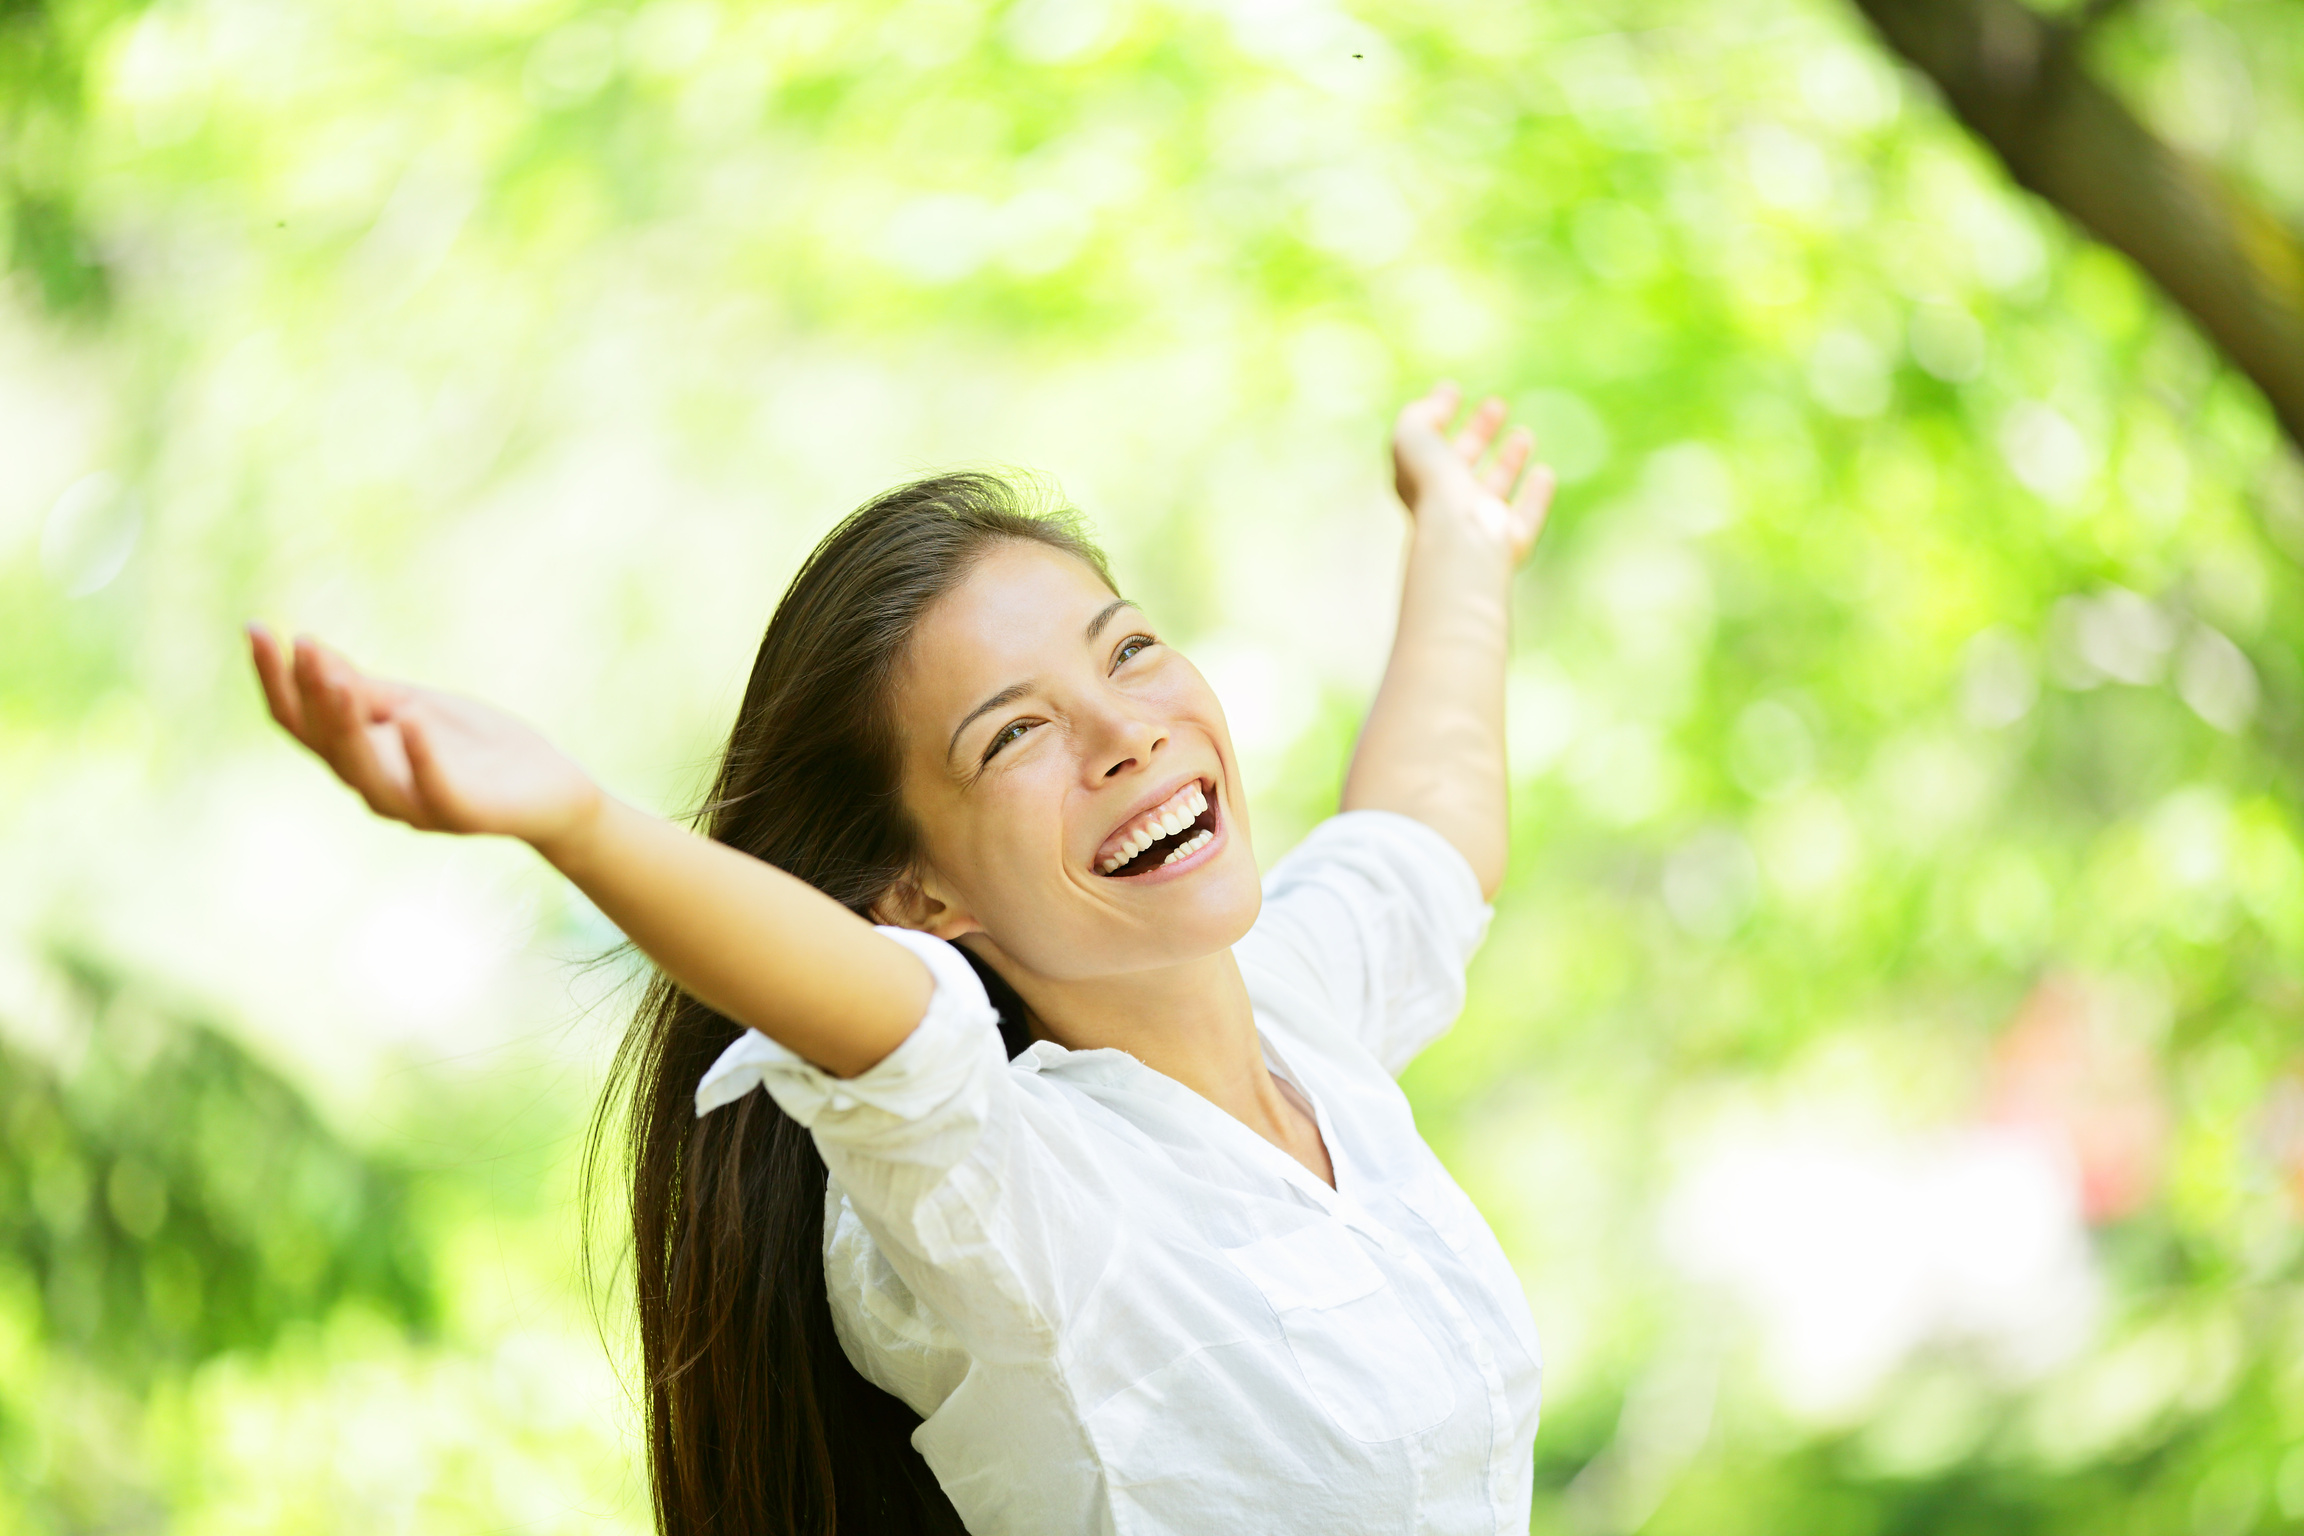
pixel 1189 846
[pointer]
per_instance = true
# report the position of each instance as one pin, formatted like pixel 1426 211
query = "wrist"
pixel 1451 536
pixel 568 845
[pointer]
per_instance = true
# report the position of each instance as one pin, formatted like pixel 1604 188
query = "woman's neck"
pixel 1191 1022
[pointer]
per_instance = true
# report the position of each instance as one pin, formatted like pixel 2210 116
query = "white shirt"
pixel 1117 1309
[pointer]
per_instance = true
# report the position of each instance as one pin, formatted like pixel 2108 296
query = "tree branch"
pixel 2015 78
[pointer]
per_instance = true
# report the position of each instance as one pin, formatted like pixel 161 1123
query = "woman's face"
pixel 1072 778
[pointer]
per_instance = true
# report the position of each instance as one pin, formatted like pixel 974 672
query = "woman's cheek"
pixel 1023 838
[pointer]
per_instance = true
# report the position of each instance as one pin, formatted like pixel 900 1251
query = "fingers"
pixel 329 717
pixel 1529 507
pixel 1438 408
pixel 1432 411
pixel 1511 475
pixel 1480 430
pixel 1440 403
pixel 279 688
pixel 337 713
pixel 1478 434
pixel 425 778
pixel 368 699
pixel 1497 479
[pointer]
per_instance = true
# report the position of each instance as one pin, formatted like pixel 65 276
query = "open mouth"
pixel 1171 832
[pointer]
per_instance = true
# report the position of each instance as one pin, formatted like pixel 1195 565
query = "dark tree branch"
pixel 2016 79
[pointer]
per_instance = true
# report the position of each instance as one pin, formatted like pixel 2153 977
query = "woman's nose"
pixel 1123 739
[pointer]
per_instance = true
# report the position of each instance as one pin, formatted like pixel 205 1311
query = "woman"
pixel 1081 1197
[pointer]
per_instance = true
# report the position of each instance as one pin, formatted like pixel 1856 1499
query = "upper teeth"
pixel 1170 819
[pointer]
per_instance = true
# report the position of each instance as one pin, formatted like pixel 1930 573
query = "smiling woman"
pixel 1081 1195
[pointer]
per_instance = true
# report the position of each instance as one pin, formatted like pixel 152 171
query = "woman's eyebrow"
pixel 1005 696
pixel 1104 616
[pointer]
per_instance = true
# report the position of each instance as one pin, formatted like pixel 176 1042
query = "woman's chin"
pixel 1185 917
pixel 1206 907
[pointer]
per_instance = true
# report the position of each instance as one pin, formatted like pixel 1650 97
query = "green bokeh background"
pixel 1884 1068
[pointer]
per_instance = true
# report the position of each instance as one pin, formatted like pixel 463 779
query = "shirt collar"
pixel 1113 1067
pixel 1104 1064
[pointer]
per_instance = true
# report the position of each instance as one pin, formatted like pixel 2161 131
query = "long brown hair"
pixel 756 1422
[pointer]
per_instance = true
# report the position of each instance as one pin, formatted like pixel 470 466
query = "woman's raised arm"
pixel 1433 744
pixel 746 939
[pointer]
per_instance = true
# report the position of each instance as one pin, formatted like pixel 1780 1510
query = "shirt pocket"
pixel 1366 1362
pixel 1451 1213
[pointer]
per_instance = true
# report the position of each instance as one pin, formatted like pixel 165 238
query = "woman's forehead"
pixel 1024 608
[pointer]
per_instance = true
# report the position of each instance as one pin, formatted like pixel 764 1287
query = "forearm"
pixel 746 939
pixel 1433 744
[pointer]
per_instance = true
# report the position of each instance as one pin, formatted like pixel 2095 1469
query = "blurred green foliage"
pixel 166 1198
pixel 171 1197
pixel 1885 1065
pixel 45 51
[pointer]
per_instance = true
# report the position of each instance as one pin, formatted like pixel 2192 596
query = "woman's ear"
pixel 920 903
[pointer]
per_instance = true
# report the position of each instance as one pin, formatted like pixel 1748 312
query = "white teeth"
pixel 1187 848
pixel 1189 806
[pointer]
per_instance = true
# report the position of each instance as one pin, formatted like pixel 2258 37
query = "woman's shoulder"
pixel 1365 931
pixel 1355 869
pixel 1384 845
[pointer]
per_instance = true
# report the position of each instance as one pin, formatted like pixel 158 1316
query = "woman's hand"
pixel 746 938
pixel 430 759
pixel 1439 476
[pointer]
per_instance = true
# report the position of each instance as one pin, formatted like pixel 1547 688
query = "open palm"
pixel 1438 474
pixel 434 760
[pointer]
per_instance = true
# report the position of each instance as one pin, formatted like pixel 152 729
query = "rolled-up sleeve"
pixel 1367 927
pixel 908 1084
pixel 949 1168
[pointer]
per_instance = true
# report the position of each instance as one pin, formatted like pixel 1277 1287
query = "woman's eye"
pixel 1131 646
pixel 1013 731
